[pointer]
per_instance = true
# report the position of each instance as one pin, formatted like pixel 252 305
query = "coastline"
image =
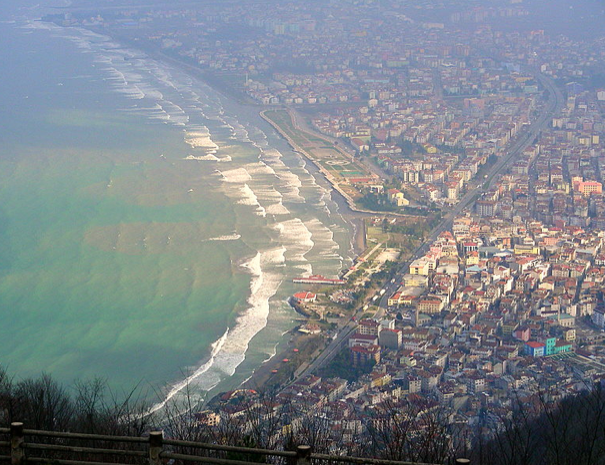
pixel 262 374
pixel 349 211
pixel 346 205
pixel 210 80
pixel 307 155
pixel 240 98
pixel 266 375
pixel 347 208
pixel 352 208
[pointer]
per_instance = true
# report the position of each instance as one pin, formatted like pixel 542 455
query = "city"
pixel 473 154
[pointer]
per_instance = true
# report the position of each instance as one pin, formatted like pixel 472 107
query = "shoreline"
pixel 261 374
pixel 352 214
pixel 212 81
pixel 353 209
pixel 346 205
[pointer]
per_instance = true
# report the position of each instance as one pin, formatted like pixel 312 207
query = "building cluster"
pixel 396 83
pixel 510 299
pixel 494 307
pixel 467 137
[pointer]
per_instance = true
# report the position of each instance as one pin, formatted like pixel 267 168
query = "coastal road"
pixel 333 349
pixel 300 123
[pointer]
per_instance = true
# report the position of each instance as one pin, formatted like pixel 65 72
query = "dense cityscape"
pixel 472 153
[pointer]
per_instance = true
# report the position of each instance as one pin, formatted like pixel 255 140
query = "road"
pixel 524 140
pixel 300 123
pixel 333 349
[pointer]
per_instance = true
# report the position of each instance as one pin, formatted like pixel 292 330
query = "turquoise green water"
pixel 104 243
pixel 121 259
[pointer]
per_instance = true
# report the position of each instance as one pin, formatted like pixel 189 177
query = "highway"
pixel 524 140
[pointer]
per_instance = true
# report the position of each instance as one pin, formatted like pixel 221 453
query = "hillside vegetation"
pixel 538 431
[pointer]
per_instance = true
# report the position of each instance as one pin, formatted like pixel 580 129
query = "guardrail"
pixel 26 446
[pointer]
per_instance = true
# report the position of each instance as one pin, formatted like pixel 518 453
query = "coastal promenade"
pixel 300 123
pixel 310 145
pixel 322 153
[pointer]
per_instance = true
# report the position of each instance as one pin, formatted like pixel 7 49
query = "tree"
pixel 409 431
pixel 43 404
pixel 541 431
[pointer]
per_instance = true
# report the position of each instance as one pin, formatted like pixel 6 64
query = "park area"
pixel 339 166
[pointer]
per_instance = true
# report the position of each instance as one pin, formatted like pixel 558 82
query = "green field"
pixel 322 151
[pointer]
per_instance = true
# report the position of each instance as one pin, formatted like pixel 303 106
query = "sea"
pixel 150 227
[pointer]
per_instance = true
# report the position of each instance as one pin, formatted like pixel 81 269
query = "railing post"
pixel 17 441
pixel 156 441
pixel 303 455
pixel 463 461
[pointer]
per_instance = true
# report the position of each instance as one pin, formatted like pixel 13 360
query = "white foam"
pixel 257 137
pixel 230 350
pixel 239 132
pixel 296 238
pixel 178 387
pixel 277 209
pixel 132 74
pixel 263 286
pixel 268 194
pixel 271 199
pixel 227 237
pixel 248 197
pixel 133 93
pixel 176 113
pixel 200 139
pixel 259 168
pixel 325 248
pixel 39 25
pixel 291 184
pixel 273 155
pixel 209 157
pixel 238 175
